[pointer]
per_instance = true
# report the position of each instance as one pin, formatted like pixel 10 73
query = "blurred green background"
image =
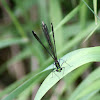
pixel 21 56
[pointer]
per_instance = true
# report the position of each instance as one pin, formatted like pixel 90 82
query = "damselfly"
pixel 52 46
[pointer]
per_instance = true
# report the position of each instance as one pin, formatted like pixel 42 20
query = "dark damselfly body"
pixel 52 46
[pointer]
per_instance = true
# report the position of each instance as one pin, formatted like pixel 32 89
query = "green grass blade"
pixel 24 86
pixel 95 10
pixel 91 33
pixel 43 12
pixel 78 38
pixel 74 59
pixel 14 19
pixel 67 17
pixel 87 85
pixel 55 19
pixel 91 9
pixel 8 42
pixel 83 16
pixel 96 97
pixel 89 96
pixel 94 86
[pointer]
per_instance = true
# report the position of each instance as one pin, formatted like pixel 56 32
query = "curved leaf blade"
pixel 74 59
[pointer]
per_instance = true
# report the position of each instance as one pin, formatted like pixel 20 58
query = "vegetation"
pixel 26 68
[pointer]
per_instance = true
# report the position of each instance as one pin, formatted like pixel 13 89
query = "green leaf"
pixel 91 83
pixel 95 9
pixel 90 88
pixel 8 42
pixel 43 11
pixel 67 17
pixel 74 59
pixel 96 97
pixel 78 38
pixel 14 19
pixel 55 19
pixel 90 95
